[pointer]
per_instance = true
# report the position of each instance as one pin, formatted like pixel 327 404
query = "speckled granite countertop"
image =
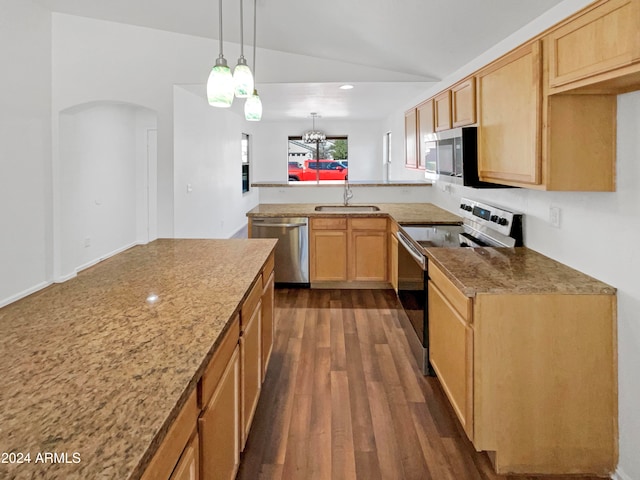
pixel 352 183
pixel 405 213
pixel 511 271
pixel 100 365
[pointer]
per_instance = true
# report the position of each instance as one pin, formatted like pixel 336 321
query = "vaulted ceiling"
pixel 424 40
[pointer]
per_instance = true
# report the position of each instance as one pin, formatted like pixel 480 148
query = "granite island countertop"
pixel 517 270
pixel 402 213
pixel 101 365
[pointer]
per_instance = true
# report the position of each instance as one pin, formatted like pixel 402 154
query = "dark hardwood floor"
pixel 343 399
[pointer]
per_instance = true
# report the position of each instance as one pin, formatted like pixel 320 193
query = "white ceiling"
pixel 424 39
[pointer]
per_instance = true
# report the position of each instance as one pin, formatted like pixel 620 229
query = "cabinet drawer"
pixel 218 363
pixel 462 304
pixel 339 223
pixel 268 268
pixel 177 438
pixel 249 305
pixel 368 223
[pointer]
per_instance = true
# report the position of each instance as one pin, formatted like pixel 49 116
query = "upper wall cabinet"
pixel 594 45
pixel 410 139
pixel 528 138
pixel 442 111
pixel 509 103
pixel 463 103
pixel 425 127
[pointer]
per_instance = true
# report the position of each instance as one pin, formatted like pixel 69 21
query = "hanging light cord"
pixel 241 31
pixel 220 20
pixel 254 39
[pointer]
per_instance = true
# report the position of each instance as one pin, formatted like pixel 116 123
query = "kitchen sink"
pixel 347 208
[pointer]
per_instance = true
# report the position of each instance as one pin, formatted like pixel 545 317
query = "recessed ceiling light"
pixel 346 86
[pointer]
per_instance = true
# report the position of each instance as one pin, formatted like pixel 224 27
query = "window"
pixel 245 163
pixel 325 162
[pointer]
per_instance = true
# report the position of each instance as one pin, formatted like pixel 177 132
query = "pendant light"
pixel 313 135
pixel 242 77
pixel 253 105
pixel 220 88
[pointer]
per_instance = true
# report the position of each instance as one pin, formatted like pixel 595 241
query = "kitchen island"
pixel 95 370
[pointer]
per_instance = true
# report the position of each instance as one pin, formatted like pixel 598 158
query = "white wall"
pixel 596 234
pixel 103 173
pixel 95 60
pixel 207 157
pixel 25 148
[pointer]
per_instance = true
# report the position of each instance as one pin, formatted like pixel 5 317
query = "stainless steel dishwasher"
pixel 292 250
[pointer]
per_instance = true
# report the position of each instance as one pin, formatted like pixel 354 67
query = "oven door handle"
pixel 413 251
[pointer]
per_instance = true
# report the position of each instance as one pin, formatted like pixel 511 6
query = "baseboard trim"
pixel 24 293
pixel 620 475
pixel 91 263
pixel 360 285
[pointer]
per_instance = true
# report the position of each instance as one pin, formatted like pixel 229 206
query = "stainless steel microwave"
pixel 453 154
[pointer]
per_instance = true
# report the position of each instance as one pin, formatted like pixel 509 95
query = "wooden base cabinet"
pixel 250 357
pixel 268 322
pixel 368 250
pixel 532 377
pixel 328 243
pixel 188 467
pixel 451 352
pixel 346 250
pixel 220 425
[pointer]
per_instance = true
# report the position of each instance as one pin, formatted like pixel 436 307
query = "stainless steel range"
pixel 483 226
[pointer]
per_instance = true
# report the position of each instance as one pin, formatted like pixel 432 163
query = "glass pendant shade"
pixel 220 86
pixel 243 79
pixel 253 108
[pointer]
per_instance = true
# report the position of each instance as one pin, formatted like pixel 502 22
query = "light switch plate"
pixel 554 216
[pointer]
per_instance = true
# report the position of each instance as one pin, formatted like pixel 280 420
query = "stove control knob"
pixel 468 208
pixel 503 221
pixel 462 206
pixel 494 218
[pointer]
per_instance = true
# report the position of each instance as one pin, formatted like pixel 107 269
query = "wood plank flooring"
pixel 344 399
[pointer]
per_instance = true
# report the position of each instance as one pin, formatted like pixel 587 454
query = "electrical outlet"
pixel 87 242
pixel 554 216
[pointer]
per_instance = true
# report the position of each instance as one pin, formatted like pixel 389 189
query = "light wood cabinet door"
pixel 220 426
pixel 410 139
pixel 268 323
pixel 509 104
pixel 442 111
pixel 368 254
pixel 188 467
pixel 451 355
pixel 426 127
pixel 596 42
pixel 328 255
pixel 250 368
pixel 463 103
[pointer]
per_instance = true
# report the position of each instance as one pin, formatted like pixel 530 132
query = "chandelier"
pixel 313 135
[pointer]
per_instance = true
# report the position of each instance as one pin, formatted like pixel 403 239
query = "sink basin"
pixel 347 208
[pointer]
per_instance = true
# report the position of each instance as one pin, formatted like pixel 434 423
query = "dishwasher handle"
pixel 285 225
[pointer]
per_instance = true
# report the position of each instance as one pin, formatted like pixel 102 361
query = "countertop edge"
pixel 352 184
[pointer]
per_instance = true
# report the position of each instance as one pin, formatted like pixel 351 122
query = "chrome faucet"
pixel 348 194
